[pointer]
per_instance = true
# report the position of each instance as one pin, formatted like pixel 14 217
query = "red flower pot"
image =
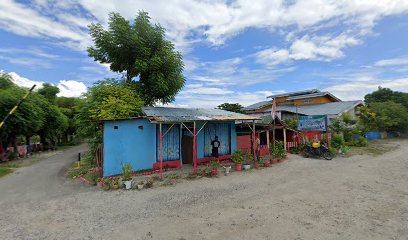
pixel 280 160
pixel 214 172
pixel 257 167
pixel 238 167
pixel 275 160
pixel 266 164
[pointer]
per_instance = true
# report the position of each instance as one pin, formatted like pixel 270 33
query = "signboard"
pixel 312 123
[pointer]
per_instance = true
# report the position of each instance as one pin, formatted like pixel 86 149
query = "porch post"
pixel 254 140
pixel 267 138
pixel 195 149
pixel 284 138
pixel 181 147
pixel 161 151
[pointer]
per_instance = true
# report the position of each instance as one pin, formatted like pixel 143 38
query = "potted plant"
pixel 140 185
pixel 248 159
pixel 127 180
pixel 214 168
pixel 99 183
pixel 238 159
pixel 114 184
pixel 265 162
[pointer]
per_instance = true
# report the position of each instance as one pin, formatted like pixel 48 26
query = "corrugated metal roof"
pixel 168 114
pixel 295 93
pixel 319 94
pixel 333 108
pixel 257 106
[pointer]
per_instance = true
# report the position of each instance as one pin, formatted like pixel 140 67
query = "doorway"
pixel 187 147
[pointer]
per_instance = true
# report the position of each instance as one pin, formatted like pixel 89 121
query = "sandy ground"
pixel 359 197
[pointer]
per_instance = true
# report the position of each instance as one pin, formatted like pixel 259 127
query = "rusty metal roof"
pixel 169 114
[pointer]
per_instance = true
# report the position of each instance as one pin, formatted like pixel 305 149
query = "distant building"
pixel 304 103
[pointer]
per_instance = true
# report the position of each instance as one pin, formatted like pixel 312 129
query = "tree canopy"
pixel 40 114
pixel 232 107
pixel 386 94
pixel 140 50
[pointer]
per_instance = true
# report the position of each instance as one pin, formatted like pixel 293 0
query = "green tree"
pixel 5 81
pixel 140 50
pixel 49 92
pixel 232 107
pixel 389 116
pixel 70 107
pixel 106 100
pixel 386 94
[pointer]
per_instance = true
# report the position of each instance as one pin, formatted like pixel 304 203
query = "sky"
pixel 235 51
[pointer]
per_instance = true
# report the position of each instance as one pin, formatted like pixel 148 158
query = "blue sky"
pixel 234 51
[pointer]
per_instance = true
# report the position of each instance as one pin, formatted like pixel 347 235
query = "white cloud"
pixel 68 88
pixel 358 89
pixel 24 82
pixel 320 48
pixel 211 101
pixel 191 21
pixel 71 88
pixel 392 62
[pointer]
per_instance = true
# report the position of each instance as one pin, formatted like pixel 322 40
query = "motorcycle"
pixel 317 150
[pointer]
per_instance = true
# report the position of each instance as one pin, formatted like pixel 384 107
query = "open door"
pixel 187 147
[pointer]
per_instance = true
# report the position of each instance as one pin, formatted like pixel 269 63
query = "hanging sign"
pixel 312 123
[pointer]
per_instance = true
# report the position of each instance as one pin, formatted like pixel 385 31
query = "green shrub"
pixel 127 170
pixel 360 142
pixel 337 141
pixel 237 156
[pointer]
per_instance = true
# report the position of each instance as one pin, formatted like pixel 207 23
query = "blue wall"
pixel 130 144
pixel 138 146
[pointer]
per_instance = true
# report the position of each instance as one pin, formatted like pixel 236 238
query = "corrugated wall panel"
pixel 223 131
pixel 171 143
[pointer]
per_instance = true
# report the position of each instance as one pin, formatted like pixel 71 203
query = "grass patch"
pixel 373 148
pixel 5 170
pixel 87 164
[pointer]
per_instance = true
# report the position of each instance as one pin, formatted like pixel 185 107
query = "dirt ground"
pixel 358 197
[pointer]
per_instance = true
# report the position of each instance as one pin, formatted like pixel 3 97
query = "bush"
pixel 337 141
pixel 360 142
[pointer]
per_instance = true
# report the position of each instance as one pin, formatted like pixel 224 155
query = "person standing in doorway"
pixel 258 148
pixel 215 145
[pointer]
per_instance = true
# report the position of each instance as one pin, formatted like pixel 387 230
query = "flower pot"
pixel 257 167
pixel 99 184
pixel 275 160
pixel 266 164
pixel 115 186
pixel 247 166
pixel 279 159
pixel 140 186
pixel 214 172
pixel 238 167
pixel 127 184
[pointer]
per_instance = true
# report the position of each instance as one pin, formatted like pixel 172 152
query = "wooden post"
pixel 161 151
pixel 254 140
pixel 284 138
pixel 267 138
pixel 194 149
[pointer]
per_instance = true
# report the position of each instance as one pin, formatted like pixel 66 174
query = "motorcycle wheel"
pixel 327 155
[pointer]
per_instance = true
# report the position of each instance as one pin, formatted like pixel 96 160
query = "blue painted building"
pixel 137 140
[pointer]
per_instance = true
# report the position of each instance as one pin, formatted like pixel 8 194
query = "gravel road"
pixel 360 197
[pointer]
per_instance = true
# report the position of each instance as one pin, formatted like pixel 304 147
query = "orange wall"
pixel 315 100
pixel 281 101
